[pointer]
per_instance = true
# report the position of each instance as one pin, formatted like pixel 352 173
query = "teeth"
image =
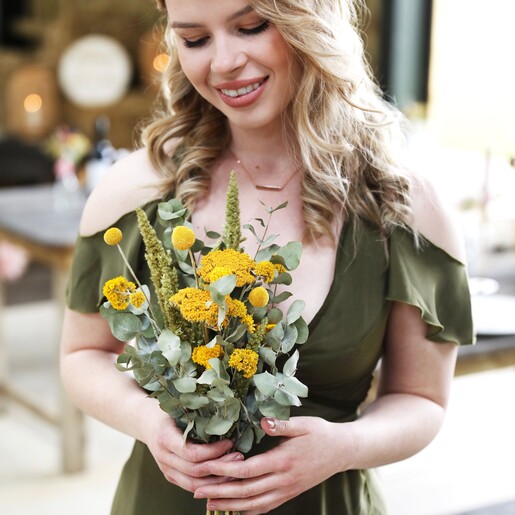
pixel 242 91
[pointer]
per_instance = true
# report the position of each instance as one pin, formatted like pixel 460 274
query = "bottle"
pixel 102 155
pixel 67 193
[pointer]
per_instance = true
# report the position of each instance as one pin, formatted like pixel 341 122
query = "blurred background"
pixel 76 81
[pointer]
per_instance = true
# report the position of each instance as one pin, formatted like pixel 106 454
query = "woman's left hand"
pixel 311 451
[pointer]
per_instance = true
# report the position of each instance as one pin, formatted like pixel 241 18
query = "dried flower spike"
pixel 183 237
pixel 113 236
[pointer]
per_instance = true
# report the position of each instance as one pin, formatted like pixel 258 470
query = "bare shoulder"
pixel 434 220
pixel 130 183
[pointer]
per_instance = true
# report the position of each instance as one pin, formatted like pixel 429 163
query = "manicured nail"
pixel 270 422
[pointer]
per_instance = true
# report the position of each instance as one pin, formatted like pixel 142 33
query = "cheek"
pixel 191 67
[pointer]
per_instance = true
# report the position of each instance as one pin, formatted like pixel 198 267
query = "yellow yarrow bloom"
pixel 117 291
pixel 183 237
pixel 137 299
pixel 244 360
pixel 196 306
pixel 217 273
pixel 202 354
pixel 266 270
pixel 238 263
pixel 236 309
pixel 113 236
pixel 258 297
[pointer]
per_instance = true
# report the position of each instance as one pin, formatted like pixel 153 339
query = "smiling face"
pixel 236 60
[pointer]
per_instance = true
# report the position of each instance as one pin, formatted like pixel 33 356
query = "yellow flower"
pixel 137 299
pixel 238 263
pixel 113 236
pixel 117 291
pixel 236 309
pixel 183 237
pixel 258 297
pixel 202 354
pixel 217 273
pixel 196 306
pixel 267 270
pixel 244 360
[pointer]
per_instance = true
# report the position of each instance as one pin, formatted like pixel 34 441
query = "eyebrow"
pixel 185 25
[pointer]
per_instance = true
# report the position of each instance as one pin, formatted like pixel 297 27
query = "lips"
pixel 233 93
pixel 241 93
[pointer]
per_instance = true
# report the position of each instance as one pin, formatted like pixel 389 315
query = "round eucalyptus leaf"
pixel 266 383
pixel 193 401
pixel 218 425
pixel 270 408
pixel 124 326
pixel 295 387
pixel 291 364
pixel 286 399
pixel 185 384
pixel 291 253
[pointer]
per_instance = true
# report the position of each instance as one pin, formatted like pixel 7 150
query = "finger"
pixel 189 483
pixel 238 489
pixel 198 452
pixel 288 428
pixel 194 469
pixel 253 467
pixel 254 505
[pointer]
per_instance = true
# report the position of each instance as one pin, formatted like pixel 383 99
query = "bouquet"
pixel 214 346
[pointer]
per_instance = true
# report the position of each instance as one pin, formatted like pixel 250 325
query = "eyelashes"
pixel 197 43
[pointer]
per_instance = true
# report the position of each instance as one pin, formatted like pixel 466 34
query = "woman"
pixel 279 92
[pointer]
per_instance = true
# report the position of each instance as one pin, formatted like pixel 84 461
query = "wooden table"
pixel 28 219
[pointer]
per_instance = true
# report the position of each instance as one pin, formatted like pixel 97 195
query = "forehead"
pixel 201 10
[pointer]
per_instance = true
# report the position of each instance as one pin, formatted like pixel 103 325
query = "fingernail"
pixel 199 495
pixel 237 457
pixel 270 422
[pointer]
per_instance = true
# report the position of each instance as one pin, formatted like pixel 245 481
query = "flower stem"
pixel 135 277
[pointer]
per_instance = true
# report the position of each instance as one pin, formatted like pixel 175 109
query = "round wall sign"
pixel 95 71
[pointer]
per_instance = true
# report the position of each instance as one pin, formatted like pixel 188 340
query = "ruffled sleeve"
pixel 437 284
pixel 95 262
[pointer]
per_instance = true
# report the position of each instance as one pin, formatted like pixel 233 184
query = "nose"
pixel 227 57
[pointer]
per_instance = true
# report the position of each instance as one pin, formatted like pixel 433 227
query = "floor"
pixel 468 469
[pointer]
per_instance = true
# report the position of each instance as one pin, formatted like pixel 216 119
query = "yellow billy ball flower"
pixel 183 237
pixel 113 236
pixel 258 297
pixel 244 360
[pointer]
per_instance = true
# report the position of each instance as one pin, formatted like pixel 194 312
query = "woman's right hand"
pixel 181 463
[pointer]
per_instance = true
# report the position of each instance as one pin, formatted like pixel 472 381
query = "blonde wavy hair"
pixel 345 134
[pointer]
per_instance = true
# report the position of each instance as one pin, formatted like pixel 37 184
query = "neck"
pixel 267 147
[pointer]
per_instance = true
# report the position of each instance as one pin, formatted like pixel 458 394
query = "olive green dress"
pixel 337 362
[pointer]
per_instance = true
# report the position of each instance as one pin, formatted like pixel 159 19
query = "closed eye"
pixel 256 30
pixel 188 43
pixel 197 43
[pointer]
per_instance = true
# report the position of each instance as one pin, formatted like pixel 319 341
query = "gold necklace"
pixel 269 187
